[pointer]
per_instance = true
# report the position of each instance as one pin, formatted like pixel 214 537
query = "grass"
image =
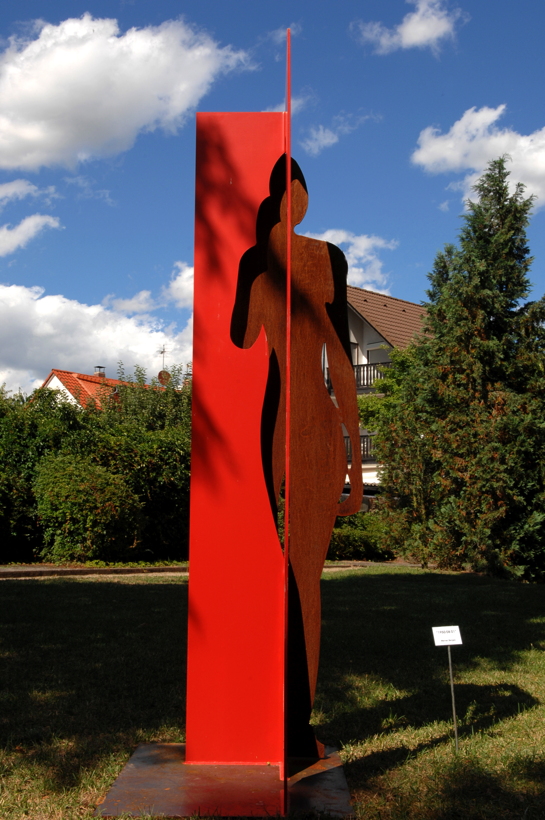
pixel 385 694
pixel 97 564
pixel 91 667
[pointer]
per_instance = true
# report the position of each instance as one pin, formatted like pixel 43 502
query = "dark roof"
pixel 396 320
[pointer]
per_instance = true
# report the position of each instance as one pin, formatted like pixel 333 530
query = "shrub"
pixel 140 437
pixel 4 514
pixel 155 466
pixel 86 511
pixel 19 530
pixel 358 538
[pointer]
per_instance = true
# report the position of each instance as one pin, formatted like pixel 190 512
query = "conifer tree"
pixel 461 430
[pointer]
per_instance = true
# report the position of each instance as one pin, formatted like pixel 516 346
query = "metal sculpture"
pixel 269 304
pixel 319 326
pixel 255 608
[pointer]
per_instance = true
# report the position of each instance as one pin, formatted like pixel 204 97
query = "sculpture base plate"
pixel 158 781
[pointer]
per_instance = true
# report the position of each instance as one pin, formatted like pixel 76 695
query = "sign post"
pixel 449 636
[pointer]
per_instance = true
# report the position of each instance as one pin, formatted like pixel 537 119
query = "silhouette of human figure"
pixel 318 462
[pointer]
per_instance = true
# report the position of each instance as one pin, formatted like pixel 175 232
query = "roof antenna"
pixel 162 352
pixel 164 375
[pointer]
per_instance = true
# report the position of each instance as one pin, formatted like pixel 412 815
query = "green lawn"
pixel 90 667
pixel 385 694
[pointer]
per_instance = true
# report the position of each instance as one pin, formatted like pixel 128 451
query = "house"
pixel 376 323
pixel 79 388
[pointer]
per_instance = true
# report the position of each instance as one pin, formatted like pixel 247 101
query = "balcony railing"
pixel 366 446
pixel 365 375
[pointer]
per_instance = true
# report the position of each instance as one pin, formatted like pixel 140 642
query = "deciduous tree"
pixel 97 482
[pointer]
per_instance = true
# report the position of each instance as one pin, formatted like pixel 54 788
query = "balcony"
pixel 365 375
pixel 366 446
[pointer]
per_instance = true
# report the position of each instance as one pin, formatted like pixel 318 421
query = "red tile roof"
pixel 83 387
pixel 396 320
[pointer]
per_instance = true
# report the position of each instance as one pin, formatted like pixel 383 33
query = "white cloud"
pixel 81 89
pixel 278 35
pixel 180 288
pixel 13 238
pixel 86 189
pixel 361 251
pixel 322 137
pixel 426 27
pixel 21 188
pixel 297 103
pixel 473 141
pixel 39 332
pixel 444 206
pixel 319 139
pixel 141 302
pixel 17 189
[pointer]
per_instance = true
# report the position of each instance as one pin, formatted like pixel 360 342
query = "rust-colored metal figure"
pixel 318 463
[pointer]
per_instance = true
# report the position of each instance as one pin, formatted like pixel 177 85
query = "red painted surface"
pixel 287 479
pixel 236 663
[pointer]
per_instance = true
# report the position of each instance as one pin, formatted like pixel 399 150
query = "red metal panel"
pixel 237 580
pixel 287 480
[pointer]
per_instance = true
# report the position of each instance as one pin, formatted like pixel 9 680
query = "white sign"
pixel 446 635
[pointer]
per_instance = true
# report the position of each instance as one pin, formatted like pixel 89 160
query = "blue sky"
pixel 398 106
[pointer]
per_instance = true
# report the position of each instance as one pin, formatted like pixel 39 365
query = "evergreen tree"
pixel 461 431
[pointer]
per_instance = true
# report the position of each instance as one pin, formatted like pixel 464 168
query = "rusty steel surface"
pixel 318 460
pixel 321 787
pixel 158 781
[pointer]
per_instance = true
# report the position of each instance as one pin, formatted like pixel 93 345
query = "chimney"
pixel 100 371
